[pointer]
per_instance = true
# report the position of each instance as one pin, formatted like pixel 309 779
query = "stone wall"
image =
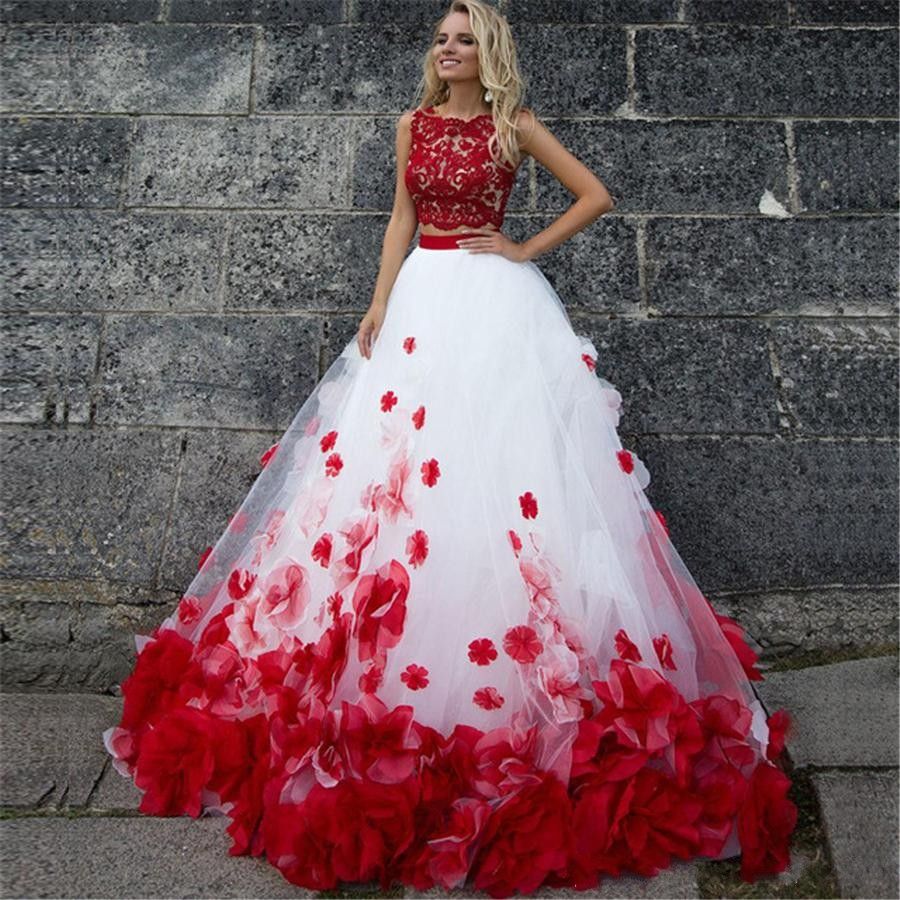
pixel 194 194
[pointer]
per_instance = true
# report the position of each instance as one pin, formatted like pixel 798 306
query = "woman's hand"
pixel 369 328
pixel 494 241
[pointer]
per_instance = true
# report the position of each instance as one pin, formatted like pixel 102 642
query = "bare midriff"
pixel 430 229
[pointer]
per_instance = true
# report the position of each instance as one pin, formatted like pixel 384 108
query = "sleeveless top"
pixel 451 176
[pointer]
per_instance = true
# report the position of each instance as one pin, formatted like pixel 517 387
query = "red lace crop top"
pixel 451 176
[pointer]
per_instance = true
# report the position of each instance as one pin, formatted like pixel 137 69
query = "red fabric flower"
pixel 165 677
pixel 589 361
pixel 409 344
pixel 765 823
pixel 482 651
pixel 239 583
pixel 371 679
pixel 175 762
pixel 328 441
pixel 626 461
pixel 350 832
pixel 516 541
pixel 267 456
pixel 662 520
pixel 329 657
pixel 663 647
pixel 522 644
pixel 449 851
pixel 418 417
pixel 639 706
pixel 780 724
pixel 203 557
pixel 721 789
pixel 334 464
pixel 430 472
pixel 388 401
pixel 321 551
pixel 527 838
pixel 415 677
pixel 625 647
pixel 596 753
pixel 736 636
pixel 380 605
pixel 189 610
pixel 488 698
pixel 726 726
pixel 417 547
pixel 637 824
pixel 378 743
pixel 248 772
pixel 528 504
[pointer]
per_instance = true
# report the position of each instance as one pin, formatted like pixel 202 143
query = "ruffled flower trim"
pixel 361 792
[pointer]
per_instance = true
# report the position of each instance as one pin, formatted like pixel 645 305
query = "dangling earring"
pixel 488 96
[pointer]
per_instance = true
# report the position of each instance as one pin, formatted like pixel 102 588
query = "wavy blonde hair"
pixel 498 71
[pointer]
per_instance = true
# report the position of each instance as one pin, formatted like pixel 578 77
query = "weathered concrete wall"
pixel 194 195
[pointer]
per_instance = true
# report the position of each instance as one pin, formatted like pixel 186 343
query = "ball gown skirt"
pixel 446 639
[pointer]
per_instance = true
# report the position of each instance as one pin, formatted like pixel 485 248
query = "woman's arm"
pixel 403 223
pixel 593 197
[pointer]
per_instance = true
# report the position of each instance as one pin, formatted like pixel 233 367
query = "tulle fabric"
pixel 448 572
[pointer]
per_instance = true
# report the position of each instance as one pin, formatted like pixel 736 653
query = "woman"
pixel 446 636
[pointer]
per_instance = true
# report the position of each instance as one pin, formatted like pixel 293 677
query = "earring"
pixel 488 96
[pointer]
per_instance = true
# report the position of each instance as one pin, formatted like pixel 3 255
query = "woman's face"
pixel 456 44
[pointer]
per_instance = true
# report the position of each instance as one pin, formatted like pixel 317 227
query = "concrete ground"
pixel 70 825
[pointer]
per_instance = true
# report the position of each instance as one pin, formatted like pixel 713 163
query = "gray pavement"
pixel 71 826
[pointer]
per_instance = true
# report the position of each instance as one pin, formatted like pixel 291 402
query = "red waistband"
pixel 443 241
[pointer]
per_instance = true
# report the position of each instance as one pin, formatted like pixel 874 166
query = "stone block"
pixel 62 162
pixel 674 167
pixel 143 68
pixel 623 12
pixel 415 13
pixel 288 262
pixel 750 514
pixel 687 377
pixel 845 714
pixel 70 635
pixel 323 68
pixel 748 12
pixel 48 364
pixel 53 752
pixel 847 166
pixel 81 260
pixel 839 12
pixel 132 856
pixel 859 810
pixel 746 266
pixel 86 502
pixel 839 377
pixel 271 11
pixel 572 69
pixel 236 372
pixel 240 162
pixel 833 618
pixel 765 71
pixel 79 11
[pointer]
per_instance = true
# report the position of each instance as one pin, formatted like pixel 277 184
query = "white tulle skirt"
pixel 447 636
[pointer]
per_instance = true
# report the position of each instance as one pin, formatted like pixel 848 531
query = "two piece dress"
pixel 446 640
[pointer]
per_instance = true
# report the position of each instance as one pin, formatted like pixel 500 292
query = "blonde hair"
pixel 498 71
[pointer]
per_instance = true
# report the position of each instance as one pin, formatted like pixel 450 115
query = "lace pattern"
pixel 450 174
